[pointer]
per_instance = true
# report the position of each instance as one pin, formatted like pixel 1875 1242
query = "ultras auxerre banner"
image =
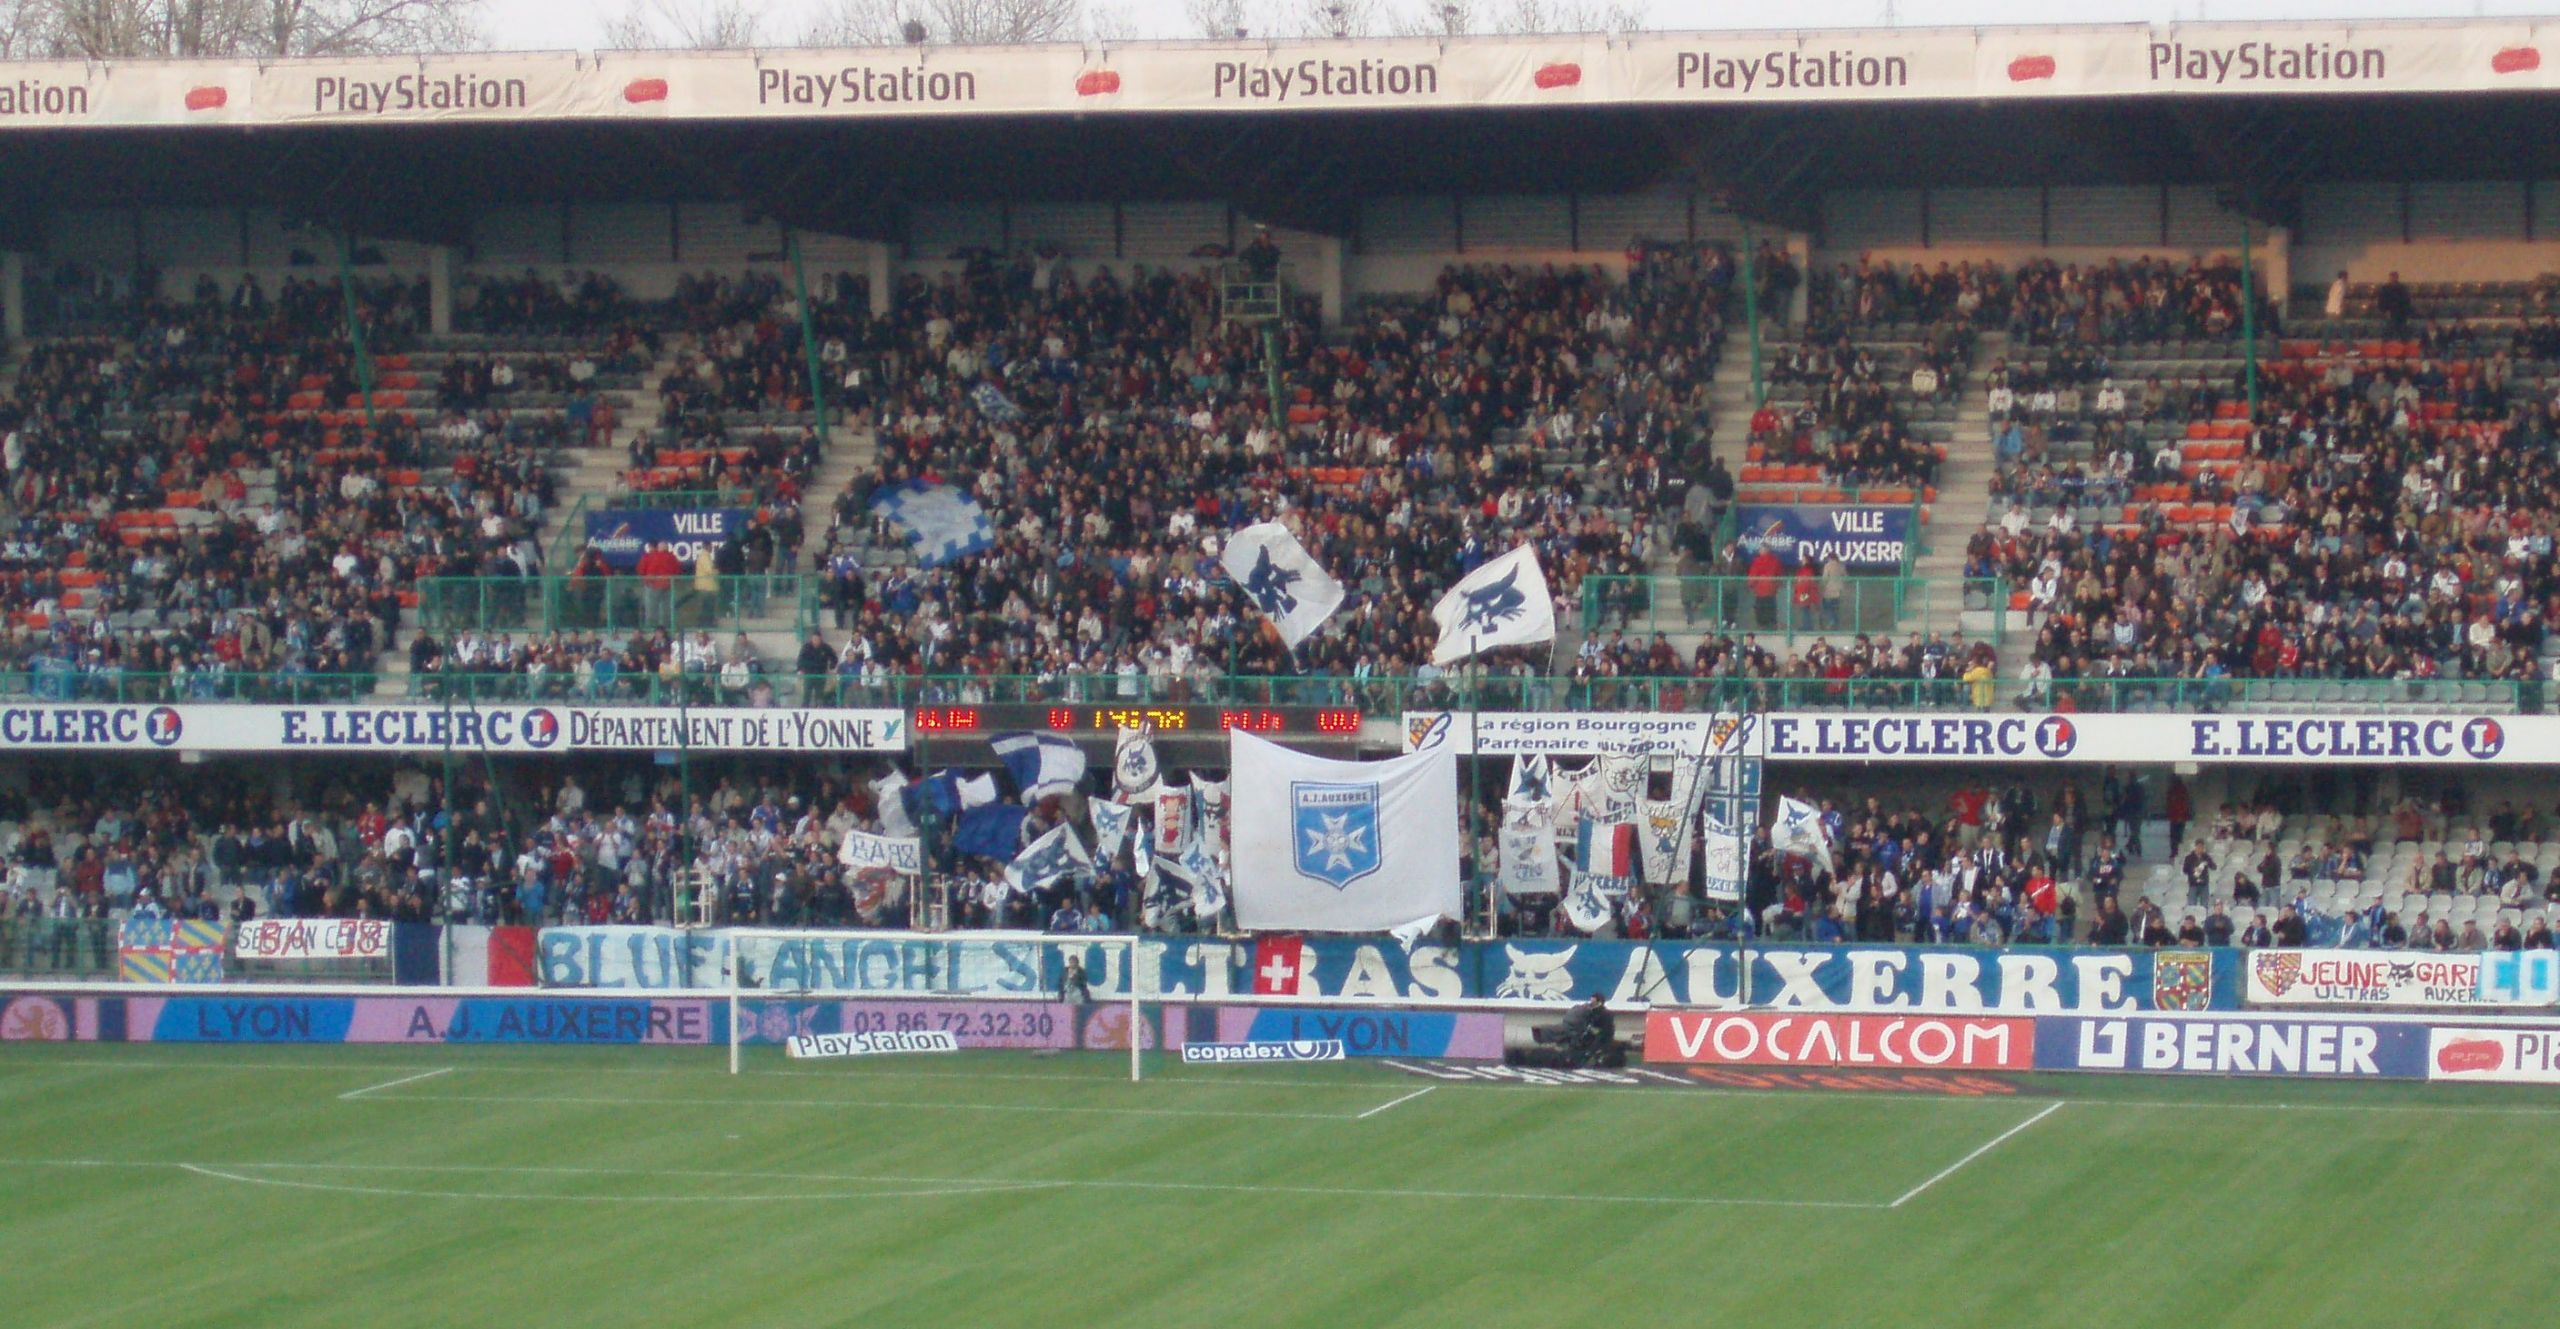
pixel 2343 738
pixel 2212 59
pixel 2025 980
pixel 212 727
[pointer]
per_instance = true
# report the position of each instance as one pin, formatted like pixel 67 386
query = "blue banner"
pixel 1865 539
pixel 623 534
pixel 2335 1048
pixel 2016 980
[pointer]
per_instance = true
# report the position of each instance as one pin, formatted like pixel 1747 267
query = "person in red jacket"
pixel 1763 582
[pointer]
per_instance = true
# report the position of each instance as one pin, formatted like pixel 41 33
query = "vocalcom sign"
pixel 1759 1039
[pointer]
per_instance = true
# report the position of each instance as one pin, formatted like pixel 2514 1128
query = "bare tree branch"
pixel 122 29
pixel 703 25
pixel 958 22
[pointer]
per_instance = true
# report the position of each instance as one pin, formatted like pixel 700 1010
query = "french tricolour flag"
pixel 1607 848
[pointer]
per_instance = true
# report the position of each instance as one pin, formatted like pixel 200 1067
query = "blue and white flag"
pixel 1528 848
pixel 943 523
pixel 1041 764
pixel 1341 846
pixel 1799 830
pixel 1531 779
pixel 1503 603
pixel 1282 579
pixel 1110 826
pixel 1133 760
pixel 1054 855
pixel 1592 904
pixel 1727 854
pixel 993 404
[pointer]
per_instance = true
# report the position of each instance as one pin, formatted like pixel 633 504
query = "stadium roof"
pixel 1294 133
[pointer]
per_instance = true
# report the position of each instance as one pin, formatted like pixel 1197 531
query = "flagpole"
pixel 1475 781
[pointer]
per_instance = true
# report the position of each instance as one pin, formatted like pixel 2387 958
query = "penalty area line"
pixel 1393 1102
pixel 394 1084
pixel 1958 1165
pixel 235 1172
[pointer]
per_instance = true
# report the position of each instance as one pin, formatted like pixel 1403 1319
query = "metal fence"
pixel 1783 608
pixel 618 603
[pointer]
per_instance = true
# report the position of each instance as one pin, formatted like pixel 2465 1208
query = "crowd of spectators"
pixel 2384 521
pixel 1114 426
pixel 200 492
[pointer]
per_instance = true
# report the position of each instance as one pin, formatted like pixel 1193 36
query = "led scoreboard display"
pixel 1170 721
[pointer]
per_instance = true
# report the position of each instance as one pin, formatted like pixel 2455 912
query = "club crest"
pixel 1334 831
pixel 2278 971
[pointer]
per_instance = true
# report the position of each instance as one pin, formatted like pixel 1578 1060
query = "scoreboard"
pixel 1171 721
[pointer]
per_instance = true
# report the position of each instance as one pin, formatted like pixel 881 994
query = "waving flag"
pixel 1054 855
pixel 1342 846
pixel 1593 902
pixel 1799 830
pixel 1530 780
pixel 1174 826
pixel 992 831
pixel 943 523
pixel 993 404
pixel 1528 856
pixel 1503 603
pixel 1606 848
pixel 1133 760
pixel 1041 764
pixel 889 795
pixel 1110 826
pixel 1282 579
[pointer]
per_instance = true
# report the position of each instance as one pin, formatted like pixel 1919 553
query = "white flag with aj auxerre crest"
pixel 1282 579
pixel 1341 846
pixel 1503 603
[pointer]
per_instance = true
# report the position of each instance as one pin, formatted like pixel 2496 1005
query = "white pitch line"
pixel 936 1105
pixel 1958 1165
pixel 340 1188
pixel 1406 1099
pixel 394 1084
pixel 1178 1187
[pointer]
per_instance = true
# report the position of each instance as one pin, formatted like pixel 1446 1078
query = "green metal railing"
pixel 116 685
pixel 1378 696
pixel 1777 611
pixel 58 947
pixel 2498 696
pixel 619 603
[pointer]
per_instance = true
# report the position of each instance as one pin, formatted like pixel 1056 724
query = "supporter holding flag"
pixel 1282 580
pixel 1041 764
pixel 1800 830
pixel 1503 603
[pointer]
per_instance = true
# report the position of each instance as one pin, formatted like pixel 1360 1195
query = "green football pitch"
pixel 163 1186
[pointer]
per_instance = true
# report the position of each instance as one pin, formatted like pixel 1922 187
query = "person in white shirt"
pixel 2336 305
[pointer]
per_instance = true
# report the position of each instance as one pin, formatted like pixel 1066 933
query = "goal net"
pixel 861 993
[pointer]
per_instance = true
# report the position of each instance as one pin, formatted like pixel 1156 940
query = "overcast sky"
pixel 579 24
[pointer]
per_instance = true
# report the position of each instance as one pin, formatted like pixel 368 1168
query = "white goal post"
pixel 815 965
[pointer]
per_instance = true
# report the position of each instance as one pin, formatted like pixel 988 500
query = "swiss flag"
pixel 1279 966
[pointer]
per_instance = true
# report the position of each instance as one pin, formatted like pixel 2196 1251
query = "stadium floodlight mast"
pixel 926 970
